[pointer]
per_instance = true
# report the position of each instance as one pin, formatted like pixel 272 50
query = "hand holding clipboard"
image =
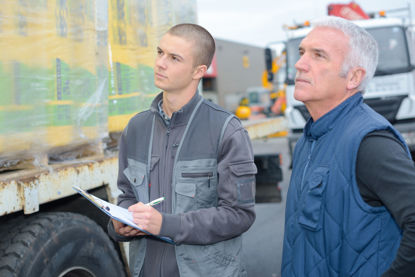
pixel 118 213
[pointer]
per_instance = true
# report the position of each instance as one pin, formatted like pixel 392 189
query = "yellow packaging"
pixel 124 78
pixel 133 52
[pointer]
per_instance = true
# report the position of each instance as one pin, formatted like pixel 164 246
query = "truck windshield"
pixel 393 52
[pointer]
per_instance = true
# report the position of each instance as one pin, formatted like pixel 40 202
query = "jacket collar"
pixel 314 130
pixel 181 116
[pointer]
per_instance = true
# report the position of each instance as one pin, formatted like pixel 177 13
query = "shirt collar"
pixel 181 116
pixel 325 123
pixel 163 115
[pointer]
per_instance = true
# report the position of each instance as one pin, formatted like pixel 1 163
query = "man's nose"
pixel 161 61
pixel 302 63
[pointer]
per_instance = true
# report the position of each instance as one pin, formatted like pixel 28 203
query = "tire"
pixel 57 245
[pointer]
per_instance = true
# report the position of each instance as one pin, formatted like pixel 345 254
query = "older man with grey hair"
pixel 350 205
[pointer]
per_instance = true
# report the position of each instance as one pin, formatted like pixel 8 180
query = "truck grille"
pixel 388 107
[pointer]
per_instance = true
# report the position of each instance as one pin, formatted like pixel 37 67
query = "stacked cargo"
pixel 132 39
pixel 48 75
pixel 135 28
pixel 17 105
pixel 124 94
pixel 71 72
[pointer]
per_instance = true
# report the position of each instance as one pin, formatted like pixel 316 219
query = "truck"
pixel 47 229
pixel 392 90
pixel 72 73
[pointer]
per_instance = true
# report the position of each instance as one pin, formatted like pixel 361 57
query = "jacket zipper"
pixel 307 164
pixel 167 154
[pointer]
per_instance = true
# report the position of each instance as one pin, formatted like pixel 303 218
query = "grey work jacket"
pixel 203 164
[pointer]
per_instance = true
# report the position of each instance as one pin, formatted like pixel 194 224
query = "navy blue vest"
pixel 329 229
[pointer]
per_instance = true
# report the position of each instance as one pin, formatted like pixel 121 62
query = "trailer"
pixel 48 230
pixel 72 73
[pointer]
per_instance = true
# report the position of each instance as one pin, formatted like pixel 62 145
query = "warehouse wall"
pixel 239 66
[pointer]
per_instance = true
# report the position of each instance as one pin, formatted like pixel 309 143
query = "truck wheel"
pixel 57 244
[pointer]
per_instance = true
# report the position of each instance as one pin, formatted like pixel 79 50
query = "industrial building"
pixel 235 68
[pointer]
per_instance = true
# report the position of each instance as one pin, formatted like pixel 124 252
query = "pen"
pixel 156 201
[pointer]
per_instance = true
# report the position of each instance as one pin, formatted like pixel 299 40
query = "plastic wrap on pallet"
pixel 53 74
pixel 72 71
pixel 135 28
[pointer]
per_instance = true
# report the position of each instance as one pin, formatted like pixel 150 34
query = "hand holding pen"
pixel 147 217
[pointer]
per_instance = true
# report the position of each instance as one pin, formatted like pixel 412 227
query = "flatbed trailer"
pixel 39 203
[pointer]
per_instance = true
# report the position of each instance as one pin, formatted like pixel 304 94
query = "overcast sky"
pixel 258 22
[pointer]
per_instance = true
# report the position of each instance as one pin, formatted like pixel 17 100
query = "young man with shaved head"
pixel 198 157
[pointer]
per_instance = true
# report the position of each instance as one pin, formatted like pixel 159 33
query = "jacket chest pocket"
pixel 312 204
pixel 136 174
pixel 196 189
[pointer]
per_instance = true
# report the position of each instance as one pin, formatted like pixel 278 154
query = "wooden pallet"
pixel 42 158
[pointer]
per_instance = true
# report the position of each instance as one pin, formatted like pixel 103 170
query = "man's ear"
pixel 355 77
pixel 199 71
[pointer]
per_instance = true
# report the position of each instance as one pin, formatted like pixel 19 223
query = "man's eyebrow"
pixel 320 51
pixel 177 56
pixel 315 50
pixel 170 54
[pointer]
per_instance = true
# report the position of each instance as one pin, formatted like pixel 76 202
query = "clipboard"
pixel 116 212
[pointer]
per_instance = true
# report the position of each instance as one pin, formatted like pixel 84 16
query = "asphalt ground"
pixel 262 243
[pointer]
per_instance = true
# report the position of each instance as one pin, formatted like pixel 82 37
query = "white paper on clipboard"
pixel 115 212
